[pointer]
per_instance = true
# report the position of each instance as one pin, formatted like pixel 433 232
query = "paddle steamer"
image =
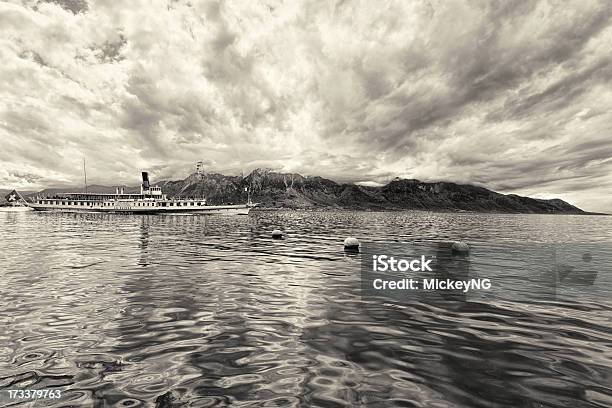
pixel 151 200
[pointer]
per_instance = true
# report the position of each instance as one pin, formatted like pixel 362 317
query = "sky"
pixel 514 96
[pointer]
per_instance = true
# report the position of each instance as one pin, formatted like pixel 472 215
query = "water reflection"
pixel 211 311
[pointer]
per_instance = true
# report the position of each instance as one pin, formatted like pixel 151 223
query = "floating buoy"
pixel 351 244
pixel 460 247
pixel 277 234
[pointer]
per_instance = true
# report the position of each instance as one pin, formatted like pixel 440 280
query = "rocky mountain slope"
pixel 281 190
pixel 291 190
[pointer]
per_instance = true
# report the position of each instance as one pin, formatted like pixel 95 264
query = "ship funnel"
pixel 145 180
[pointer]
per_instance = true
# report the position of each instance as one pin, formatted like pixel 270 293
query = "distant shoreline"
pixel 399 210
pixel 273 190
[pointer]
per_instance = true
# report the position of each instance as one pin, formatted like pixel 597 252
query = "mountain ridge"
pixel 294 191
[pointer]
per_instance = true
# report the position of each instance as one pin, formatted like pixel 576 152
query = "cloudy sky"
pixel 514 96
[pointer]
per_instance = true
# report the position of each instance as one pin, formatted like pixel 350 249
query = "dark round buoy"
pixel 351 244
pixel 460 247
pixel 277 234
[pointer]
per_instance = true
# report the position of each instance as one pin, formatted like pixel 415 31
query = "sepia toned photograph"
pixel 306 203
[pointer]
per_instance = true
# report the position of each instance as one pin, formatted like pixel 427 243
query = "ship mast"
pixel 85 175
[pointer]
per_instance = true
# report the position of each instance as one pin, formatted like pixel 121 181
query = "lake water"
pixel 118 310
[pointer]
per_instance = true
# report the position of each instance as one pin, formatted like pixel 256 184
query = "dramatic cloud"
pixel 512 95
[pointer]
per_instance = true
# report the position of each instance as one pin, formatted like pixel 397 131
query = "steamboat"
pixel 151 200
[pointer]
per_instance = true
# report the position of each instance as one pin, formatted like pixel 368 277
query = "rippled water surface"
pixel 119 310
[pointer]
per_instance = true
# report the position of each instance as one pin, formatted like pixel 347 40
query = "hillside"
pixel 281 190
pixel 290 190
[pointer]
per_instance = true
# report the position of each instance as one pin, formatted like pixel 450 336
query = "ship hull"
pixel 125 209
pixel 15 209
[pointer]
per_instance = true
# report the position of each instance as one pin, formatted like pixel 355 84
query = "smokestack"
pixel 121 190
pixel 145 180
pixel 116 190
